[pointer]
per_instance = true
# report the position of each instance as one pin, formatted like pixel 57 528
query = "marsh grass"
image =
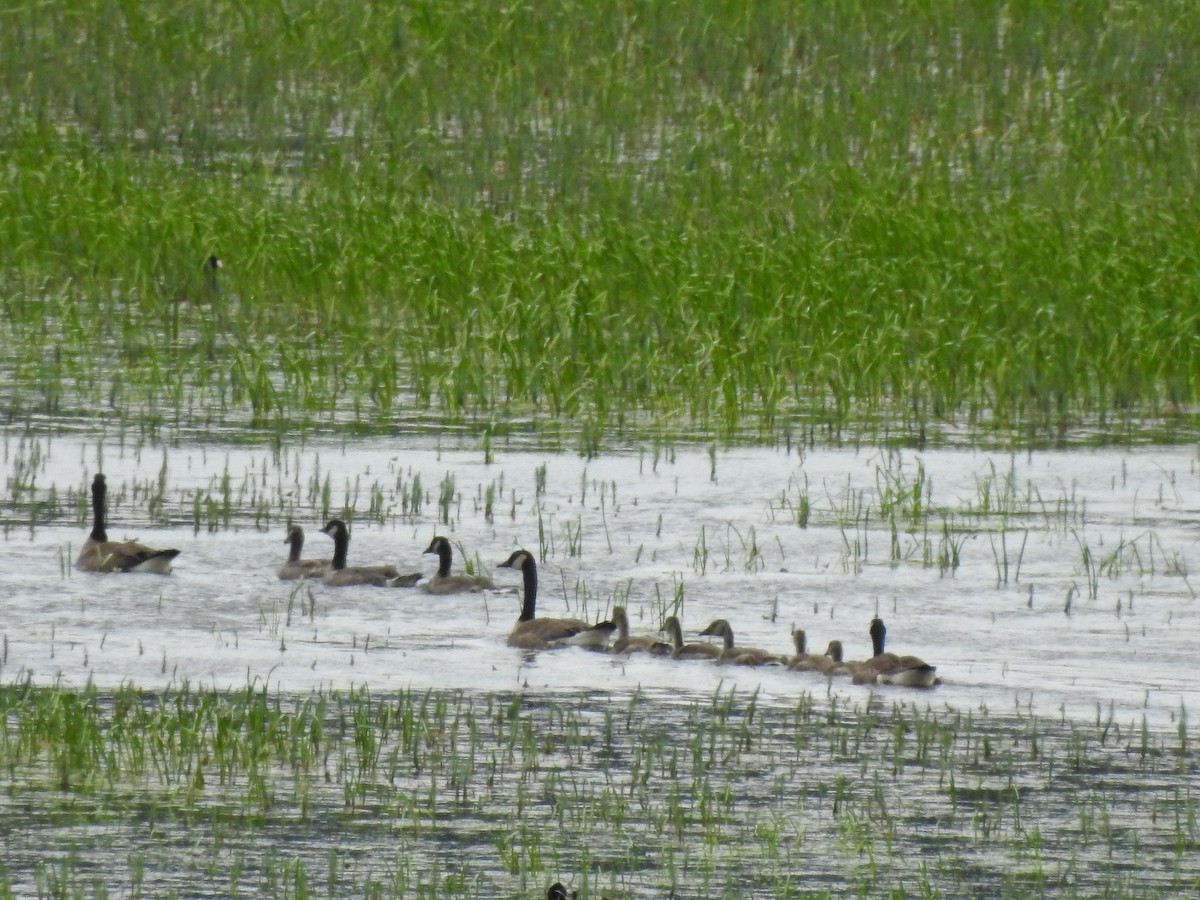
pixel 783 222
pixel 791 222
pixel 633 796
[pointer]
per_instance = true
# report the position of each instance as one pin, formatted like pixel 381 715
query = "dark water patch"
pixel 500 790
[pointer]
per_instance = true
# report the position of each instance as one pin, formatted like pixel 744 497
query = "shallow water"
pixel 1065 634
pixel 1091 621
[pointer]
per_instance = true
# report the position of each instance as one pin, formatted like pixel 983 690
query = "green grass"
pixel 809 220
pixel 417 795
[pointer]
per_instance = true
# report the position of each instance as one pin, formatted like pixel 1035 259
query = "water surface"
pixel 1071 588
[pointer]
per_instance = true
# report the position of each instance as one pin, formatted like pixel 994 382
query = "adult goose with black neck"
pixel 99 554
pixel 532 633
pixel 339 574
pixel 888 668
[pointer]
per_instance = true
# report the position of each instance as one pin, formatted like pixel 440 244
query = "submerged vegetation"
pixel 779 219
pixel 443 794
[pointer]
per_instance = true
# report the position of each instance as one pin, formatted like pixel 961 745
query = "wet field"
pixel 1051 590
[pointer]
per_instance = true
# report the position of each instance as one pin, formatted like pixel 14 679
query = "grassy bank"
pixel 800 218
pixel 446 795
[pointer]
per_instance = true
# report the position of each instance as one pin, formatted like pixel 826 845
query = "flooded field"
pixel 658 298
pixel 1052 590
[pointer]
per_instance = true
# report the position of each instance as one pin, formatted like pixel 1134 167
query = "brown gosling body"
pixel 804 661
pixel 739 656
pixel 532 633
pixel 341 575
pixel 641 643
pixel 99 554
pixel 295 567
pixel 443 582
pixel 680 650
pixel 837 664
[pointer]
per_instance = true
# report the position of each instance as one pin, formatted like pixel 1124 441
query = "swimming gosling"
pixel 295 567
pixel 442 582
pixel 804 661
pixel 640 643
pixel 680 650
pixel 739 656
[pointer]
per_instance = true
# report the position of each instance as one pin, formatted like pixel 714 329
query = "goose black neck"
pixel 529 603
pixel 99 489
pixel 878 633
pixel 296 540
pixel 444 558
pixel 341 544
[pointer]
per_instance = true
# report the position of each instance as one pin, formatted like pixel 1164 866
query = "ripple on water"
pixel 1069 608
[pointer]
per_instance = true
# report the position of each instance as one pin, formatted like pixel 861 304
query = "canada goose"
pixel 804 661
pixel 638 643
pixel 680 650
pixel 888 668
pixel 445 583
pixel 295 567
pixel 99 554
pixel 534 634
pixel 211 265
pixel 738 656
pixel 340 575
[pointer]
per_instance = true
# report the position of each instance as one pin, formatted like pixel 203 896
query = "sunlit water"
pixel 1056 583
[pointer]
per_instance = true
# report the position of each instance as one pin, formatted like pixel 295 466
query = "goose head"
pixel 722 629
pixel 834 651
pixel 441 546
